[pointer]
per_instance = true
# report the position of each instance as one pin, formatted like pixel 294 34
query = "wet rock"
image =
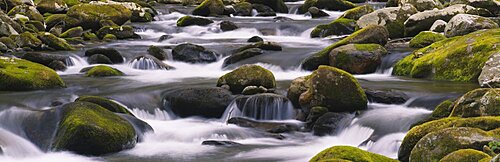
pixel 478 102
pixel 157 52
pixel 489 77
pixel 357 12
pixel 54 20
pixel 282 19
pixel 54 42
pixel 243 9
pixel 73 32
pixel 227 26
pixel 190 20
pixel 121 32
pixel 89 36
pixel 465 155
pixel 28 11
pixel 357 58
pixel 140 127
pixel 9 42
pixel 167 37
pixel 276 5
pixel 297 87
pixel 491 5
pixel 204 102
pixel 89 15
pixel 255 39
pixel 44 58
pixel 263 10
pixel 425 38
pixel 27 39
pixel 386 97
pixel 105 103
pixel 3 47
pixel 34 76
pixel 317 13
pixel 52 6
pixel 57 65
pixel 314 114
pixel 220 143
pixel 249 53
pixel 272 127
pixel 192 53
pixel 331 123
pixel 99 59
pixel 209 8
pixel 423 5
pixel 463 24
pixel 269 46
pixel 247 75
pixel 150 63
pixel 109 38
pixel 111 53
pixel 349 153
pixel 103 71
pixel 392 18
pixel 141 16
pixel 8 25
pixel 251 90
pixel 339 26
pixel 332 5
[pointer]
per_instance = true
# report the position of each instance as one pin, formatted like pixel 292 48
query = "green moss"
pixel 21 75
pixel 54 42
pixel 27 39
pixel 357 12
pixel 109 37
pixel 368 47
pixel 73 32
pixel 425 38
pixel 465 155
pixel 349 153
pixel 54 20
pixel 478 102
pixel 247 75
pixel 190 20
pixel 340 26
pixel 89 129
pixel 105 103
pixel 334 5
pixel 103 71
pixel 90 36
pixel 8 42
pixel 209 8
pixel 454 59
pixel 89 15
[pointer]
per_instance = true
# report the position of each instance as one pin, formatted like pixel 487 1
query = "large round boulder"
pixel 88 15
pixel 425 38
pixel 465 155
pixel 392 18
pixel 193 53
pixel 247 75
pixel 111 53
pixel 103 71
pixel 204 102
pixel 209 8
pixel 333 5
pixel 22 75
pixel 340 26
pixel 463 24
pixel 357 58
pixel 491 5
pixel 349 153
pixel 478 102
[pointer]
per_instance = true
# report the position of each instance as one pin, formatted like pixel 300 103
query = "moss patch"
pixel 21 75
pixel 247 75
pixel 105 103
pixel 339 153
pixel 190 20
pixel 465 155
pixel 425 38
pixel 103 71
pixel 340 26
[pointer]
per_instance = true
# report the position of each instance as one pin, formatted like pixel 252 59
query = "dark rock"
pixel 314 114
pixel 251 90
pixel 332 5
pixel 331 123
pixel 165 37
pixel 243 9
pixel 255 39
pixel 140 126
pixel 57 65
pixel 121 32
pixel 272 127
pixel 44 58
pixel 227 26
pixel 270 46
pixel 357 58
pixel 111 53
pixel 282 19
pixel 204 102
pixel 192 53
pixel 387 97
pixel 341 26
pixel 190 20
pixel 317 13
pixel 263 10
pixel 242 56
pixel 220 143
pixel 157 52
pixel 99 59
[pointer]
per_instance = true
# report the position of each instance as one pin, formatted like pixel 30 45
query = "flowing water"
pixel 379 129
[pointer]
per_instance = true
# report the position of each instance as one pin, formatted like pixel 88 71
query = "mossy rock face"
pixel 121 32
pixel 54 42
pixel 453 59
pixel 442 110
pixel 392 18
pixel 357 12
pixel 486 123
pixel 54 19
pixel 73 32
pixel 210 8
pixel 27 39
pixel 465 155
pixel 247 75
pixel 425 38
pixel 463 24
pixel 436 145
pixel 208 102
pixel 157 52
pixel 89 129
pixel 8 42
pixel 243 9
pixel 276 5
pixel 22 75
pixel 141 16
pixel 103 71
pixel 341 26
pixel 109 38
pixel 479 102
pixel 334 89
pixel 370 34
pixel 423 21
pixel 357 58
pixel 333 5
pixel 52 6
pixel 28 11
pixel 89 15
pixel 349 153
pixel 105 103
pixel 190 20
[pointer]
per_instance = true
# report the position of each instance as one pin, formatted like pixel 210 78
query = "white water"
pixel 261 107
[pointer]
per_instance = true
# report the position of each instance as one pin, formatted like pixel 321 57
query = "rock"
pixel 248 53
pixel 357 58
pixel 436 145
pixel 331 123
pixel 9 25
pixel 349 153
pixel 89 15
pixel 103 71
pixel 192 53
pixel 147 62
pixel 423 21
pixel 247 75
pixel 332 5
pixel 276 5
pixel 54 42
pixel 263 10
pixel 491 5
pixel 157 52
pixel 121 32
pixel 44 59
pixel 269 46
pixel 205 102
pixel 52 6
pixel 314 115
pixel 298 86
pixel 423 5
pixel 104 103
pixel 465 155
pixel 370 34
pixel 489 74
pixel 38 25
pixel 227 26
pixel 90 36
pixel 209 8
pixel 89 129
pixel 243 9
pixel 28 11
pixel 251 90
pixel 386 97
pixel 99 59
pixel 27 39
pixel 10 42
pixel 54 20
pixel 463 24
pixel 255 39
pixel 478 102
pixel 334 89
pixel 141 16
pixel 317 13
pixel 22 75
pixel 109 38
pixel 454 59
pixel 264 125
pixel 220 143
pixel 167 37
pixel 392 18
pixel 425 38
pixel 190 20
pixel 357 12
pixel 73 32
pixel 341 26
pixel 57 65
pixel 111 53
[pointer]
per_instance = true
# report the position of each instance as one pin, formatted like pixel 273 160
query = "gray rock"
pixel 463 24
pixel 111 53
pixel 392 18
pixel 192 53
pixel 423 5
pixel 44 58
pixel 251 90
pixel 317 13
pixel 227 26
pixel 205 102
pixel 490 74
pixel 157 52
pixel 357 58
pixel 57 65
pixel 438 26
pixel 255 39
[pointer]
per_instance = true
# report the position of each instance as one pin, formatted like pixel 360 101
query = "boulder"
pixel 491 5
pixel 247 75
pixel 147 62
pixel 111 53
pixel 297 87
pixel 157 52
pixel 121 32
pixel 10 42
pixel 243 9
pixel 478 102
pixel 54 20
pixel 255 39
pixel 317 13
pixel 99 59
pixel 340 26
pixel 334 89
pixel 22 75
pixel 387 97
pixel 357 12
pixel 465 155
pixel 423 5
pixel 392 18
pixel 57 65
pixel 109 38
pixel 73 32
pixel 263 10
pixel 204 102
pixel 242 56
pixel 269 46
pixel 104 103
pixel 454 59
pixel 28 11
pixel 425 38
pixel 103 71
pixel 52 6
pixel 314 114
pixel 220 143
pixel 88 15
pixel 331 123
pixel 357 58
pixel 28 39
pixel 165 37
pixel 190 20
pixel 209 8
pixel 192 53
pixel 54 42
pixel 333 5
pixel 44 58
pixel 463 24
pixel 349 153
pixel 252 90
pixel 227 26
pixel 89 129
pixel 276 5
pixel 489 77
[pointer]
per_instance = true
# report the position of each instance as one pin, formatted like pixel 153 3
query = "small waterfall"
pixel 15 146
pixel 157 114
pixel 387 145
pixel 76 61
pixel 260 107
pixel 146 63
pixel 254 12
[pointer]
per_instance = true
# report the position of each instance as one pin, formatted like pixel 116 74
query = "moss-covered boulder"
pixel 113 54
pixel 334 89
pixel 333 5
pixel 29 11
pixel 465 155
pixel 392 18
pixel 121 32
pixel 210 8
pixel 425 38
pixel 54 19
pixel 276 5
pixel 22 75
pixel 103 71
pixel 357 12
pixel 157 52
pixel 489 74
pixel 357 58
pixel 243 9
pixel 454 59
pixel 492 6
pixel 54 42
pixel 89 129
pixel 89 15
pixel 341 26
pixel 436 145
pixel 105 103
pixel 349 153
pixel 370 34
pixel 247 75
pixel 52 6
pixel 463 24
pixel 478 102
pixel 73 32
pixel 28 39
pixel 191 20
pixel 423 5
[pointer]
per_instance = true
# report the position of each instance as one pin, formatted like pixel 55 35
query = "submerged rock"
pixel 120 32
pixel 57 65
pixel 333 5
pixel 263 10
pixel 489 77
pixel 268 126
pixel 247 75
pixel 147 62
pixel 255 39
pixel 340 26
pixel 276 5
pixel 349 153
pixel 111 53
pixel 243 9
pixel 157 52
pixel 478 102
pixel 357 58
pixel 105 103
pixel 387 97
pixel 192 53
pixel 392 18
pixel 220 143
pixel 425 38
pixel 463 24
pixel 204 102
pixel 22 75
pixel 103 71
pixel 248 53
pixel 190 20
